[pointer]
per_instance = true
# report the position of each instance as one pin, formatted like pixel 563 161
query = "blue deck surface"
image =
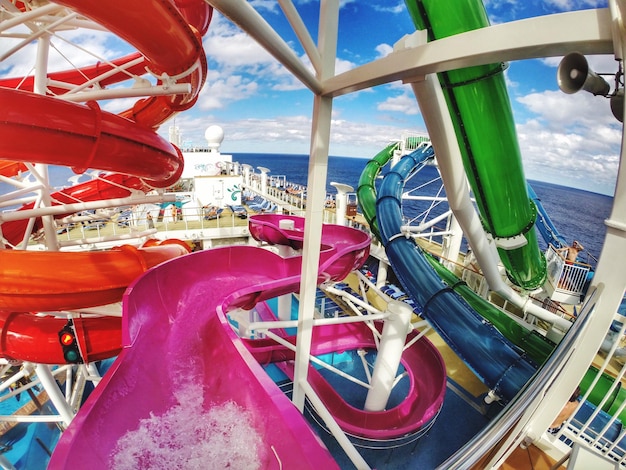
pixel 462 416
pixel 457 423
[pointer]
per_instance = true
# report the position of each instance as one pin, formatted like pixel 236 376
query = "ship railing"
pixel 494 435
pixel 289 198
pixel 193 218
pixel 410 142
pixel 565 278
pixel 600 427
pixel 137 224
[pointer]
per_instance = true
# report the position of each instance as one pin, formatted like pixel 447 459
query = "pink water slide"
pixel 422 362
pixel 175 334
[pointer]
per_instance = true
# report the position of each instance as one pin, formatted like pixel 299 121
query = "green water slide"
pixel 536 346
pixel 366 191
pixel 478 103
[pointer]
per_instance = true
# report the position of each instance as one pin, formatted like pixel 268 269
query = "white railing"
pixel 410 142
pixel 564 276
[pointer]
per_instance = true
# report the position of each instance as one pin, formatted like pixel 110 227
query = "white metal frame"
pixel 597 31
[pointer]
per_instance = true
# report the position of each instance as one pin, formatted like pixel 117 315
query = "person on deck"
pixel 570 253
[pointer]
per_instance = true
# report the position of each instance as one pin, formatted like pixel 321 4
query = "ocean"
pixel 577 215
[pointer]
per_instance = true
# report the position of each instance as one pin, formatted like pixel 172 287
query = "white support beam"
pixel 318 168
pixel 114 93
pixel 585 31
pixel 303 34
pixel 246 17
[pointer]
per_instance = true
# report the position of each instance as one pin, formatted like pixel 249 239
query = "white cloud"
pixel 404 103
pixel 268 5
pixel 383 50
pixel 568 5
pixel 573 138
pixel 398 8
pixel 118 105
pixel 559 110
pixel 68 50
pixel 231 48
pixel 220 91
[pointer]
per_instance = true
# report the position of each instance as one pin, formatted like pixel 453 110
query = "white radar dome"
pixel 214 136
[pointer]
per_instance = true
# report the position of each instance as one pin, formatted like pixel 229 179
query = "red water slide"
pixel 39 128
pixel 106 186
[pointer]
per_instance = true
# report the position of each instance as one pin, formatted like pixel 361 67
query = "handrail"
pixel 496 430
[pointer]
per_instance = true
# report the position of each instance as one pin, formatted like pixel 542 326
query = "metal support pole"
pixel 52 388
pixel 395 330
pixel 318 166
pixel 341 201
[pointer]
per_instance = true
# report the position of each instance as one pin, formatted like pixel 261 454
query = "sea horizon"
pixel 301 155
pixel 578 214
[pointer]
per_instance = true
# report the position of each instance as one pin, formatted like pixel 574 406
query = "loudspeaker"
pixel 574 74
pixel 617 105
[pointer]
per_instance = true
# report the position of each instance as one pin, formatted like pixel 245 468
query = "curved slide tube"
pixel 168 34
pixel 548 231
pixel 56 280
pixel 58 132
pixel 366 191
pixel 422 362
pixel 481 113
pixel 84 137
pixel 428 385
pixel 52 280
pixel 35 338
pixel 502 366
pixel 336 241
pixel 9 168
pixel 535 346
pixel 106 186
pixel 175 333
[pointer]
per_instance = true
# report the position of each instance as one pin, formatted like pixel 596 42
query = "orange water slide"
pixel 9 168
pixel 62 281
pixel 52 280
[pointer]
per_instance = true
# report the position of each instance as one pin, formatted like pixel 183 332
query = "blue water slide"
pixel 546 228
pixel 502 366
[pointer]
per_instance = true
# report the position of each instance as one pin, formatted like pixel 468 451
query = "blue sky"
pixel 568 139
pixel 565 139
